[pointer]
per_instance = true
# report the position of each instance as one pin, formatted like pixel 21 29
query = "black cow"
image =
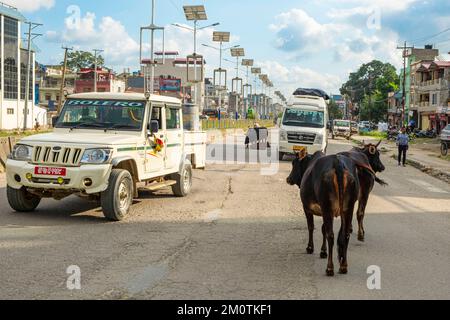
pixel 369 163
pixel 329 187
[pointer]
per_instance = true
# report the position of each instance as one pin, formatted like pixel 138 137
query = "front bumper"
pixel 74 178
pixel 287 147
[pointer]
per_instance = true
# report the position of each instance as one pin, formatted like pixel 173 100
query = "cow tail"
pixel 339 167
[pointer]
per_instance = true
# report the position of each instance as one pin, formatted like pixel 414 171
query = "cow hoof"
pixel 343 270
pixel 309 250
pixel 323 255
pixel 330 273
pixel 361 238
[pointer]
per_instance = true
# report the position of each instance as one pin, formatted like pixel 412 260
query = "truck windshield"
pixel 303 118
pixel 342 124
pixel 102 114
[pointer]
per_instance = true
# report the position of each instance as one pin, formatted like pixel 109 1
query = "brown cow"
pixel 369 163
pixel 329 187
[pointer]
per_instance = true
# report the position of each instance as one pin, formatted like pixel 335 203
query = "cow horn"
pixel 301 155
pixel 378 144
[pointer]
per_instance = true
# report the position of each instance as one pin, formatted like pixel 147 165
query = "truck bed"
pixel 195 147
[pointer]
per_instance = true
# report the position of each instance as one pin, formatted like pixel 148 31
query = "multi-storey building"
pixel 431 83
pixel 13 69
pixel 414 55
pixel 50 86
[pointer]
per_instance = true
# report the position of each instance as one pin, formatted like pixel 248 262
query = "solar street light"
pixel 195 13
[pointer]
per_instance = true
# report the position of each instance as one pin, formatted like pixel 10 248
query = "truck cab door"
pixel 154 158
pixel 174 136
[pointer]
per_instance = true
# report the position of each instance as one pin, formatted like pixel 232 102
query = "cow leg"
pixel 323 251
pixel 328 222
pixel 360 215
pixel 344 238
pixel 310 220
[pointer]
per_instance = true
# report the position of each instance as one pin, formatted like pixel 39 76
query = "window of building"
pixel 172 118
pixel 10 111
pixel 434 97
pixel 11 44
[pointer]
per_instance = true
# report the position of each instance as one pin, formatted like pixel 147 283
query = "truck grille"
pixel 301 138
pixel 65 156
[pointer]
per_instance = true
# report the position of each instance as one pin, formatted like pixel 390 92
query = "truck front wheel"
pixel 117 199
pixel 184 181
pixel 21 200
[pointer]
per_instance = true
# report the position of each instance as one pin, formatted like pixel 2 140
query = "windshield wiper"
pixel 121 126
pixel 87 125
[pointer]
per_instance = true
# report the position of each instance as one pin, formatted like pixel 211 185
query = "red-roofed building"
pixel 106 81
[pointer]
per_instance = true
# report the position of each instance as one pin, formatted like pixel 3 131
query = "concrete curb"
pixel 441 175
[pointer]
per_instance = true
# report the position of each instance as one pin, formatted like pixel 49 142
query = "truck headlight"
pixel 22 152
pixel 96 156
pixel 319 139
pixel 283 135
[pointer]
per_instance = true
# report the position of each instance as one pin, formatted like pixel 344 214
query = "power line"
pixel 426 38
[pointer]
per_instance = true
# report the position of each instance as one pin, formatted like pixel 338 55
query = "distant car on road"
pixel 342 128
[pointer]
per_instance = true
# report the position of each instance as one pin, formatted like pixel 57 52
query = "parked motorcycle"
pixel 430 134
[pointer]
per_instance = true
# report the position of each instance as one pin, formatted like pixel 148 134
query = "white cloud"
pixel 288 79
pixel 120 49
pixel 30 5
pixel 366 6
pixel 335 45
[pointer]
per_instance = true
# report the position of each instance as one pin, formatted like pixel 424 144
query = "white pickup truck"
pixel 104 147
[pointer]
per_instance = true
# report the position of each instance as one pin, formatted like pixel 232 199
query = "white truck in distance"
pixel 104 147
pixel 303 126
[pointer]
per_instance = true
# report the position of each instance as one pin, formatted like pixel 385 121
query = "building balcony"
pixel 433 85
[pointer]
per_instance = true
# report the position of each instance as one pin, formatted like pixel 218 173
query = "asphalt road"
pixel 241 234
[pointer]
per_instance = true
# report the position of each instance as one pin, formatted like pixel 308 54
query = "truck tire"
pixel 117 199
pixel 21 200
pixel 184 181
pixel 281 156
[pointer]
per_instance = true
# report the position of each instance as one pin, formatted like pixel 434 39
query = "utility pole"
pixel 63 79
pixel 96 51
pixel 404 48
pixel 31 37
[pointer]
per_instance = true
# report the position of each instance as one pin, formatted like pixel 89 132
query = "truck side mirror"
pixel 54 121
pixel 154 126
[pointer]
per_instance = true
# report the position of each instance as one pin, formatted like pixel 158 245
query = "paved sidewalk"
pixel 418 158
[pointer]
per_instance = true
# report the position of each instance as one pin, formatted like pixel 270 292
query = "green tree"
pixel 82 59
pixel 334 110
pixel 370 87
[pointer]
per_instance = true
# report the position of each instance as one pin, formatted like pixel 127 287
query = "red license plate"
pixel 47 171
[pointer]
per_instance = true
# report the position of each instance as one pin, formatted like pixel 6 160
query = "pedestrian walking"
pixel 403 146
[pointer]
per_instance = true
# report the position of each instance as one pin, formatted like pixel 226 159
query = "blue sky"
pixel 298 43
